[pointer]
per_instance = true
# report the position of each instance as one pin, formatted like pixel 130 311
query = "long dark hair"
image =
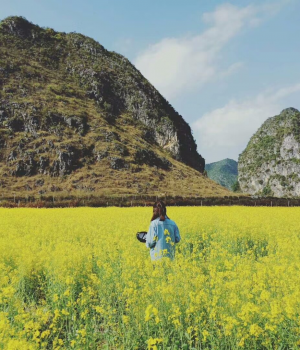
pixel 161 210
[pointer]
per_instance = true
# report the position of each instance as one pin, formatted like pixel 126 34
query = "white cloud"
pixel 225 132
pixel 231 69
pixel 177 65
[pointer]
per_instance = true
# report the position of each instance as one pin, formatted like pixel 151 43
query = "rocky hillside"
pixel 224 172
pixel 76 117
pixel 270 165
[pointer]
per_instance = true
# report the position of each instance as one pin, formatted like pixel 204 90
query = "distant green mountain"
pixel 223 172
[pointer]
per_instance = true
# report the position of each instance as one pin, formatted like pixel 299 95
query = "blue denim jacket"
pixel 161 238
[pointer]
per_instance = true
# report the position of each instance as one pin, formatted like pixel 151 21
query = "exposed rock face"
pixel 26 167
pixel 117 163
pixel 144 156
pixel 65 163
pixel 270 165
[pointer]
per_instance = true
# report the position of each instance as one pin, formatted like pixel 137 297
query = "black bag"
pixel 141 236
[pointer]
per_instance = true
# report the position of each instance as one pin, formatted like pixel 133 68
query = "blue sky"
pixel 225 66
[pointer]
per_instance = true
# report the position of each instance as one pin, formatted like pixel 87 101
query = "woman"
pixel 163 234
pixel 155 214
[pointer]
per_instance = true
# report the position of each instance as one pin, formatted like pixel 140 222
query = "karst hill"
pixel 270 164
pixel 77 118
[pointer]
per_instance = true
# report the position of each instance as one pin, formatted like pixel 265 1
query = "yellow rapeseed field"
pixel 79 279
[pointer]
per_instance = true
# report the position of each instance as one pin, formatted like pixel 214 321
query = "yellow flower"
pixel 45 334
pixel 152 343
pixel 125 319
pixel 82 332
pixel 241 342
pixel 205 334
pixel 234 280
pixel 148 312
pixel 65 312
pixel 255 330
pixel 168 239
